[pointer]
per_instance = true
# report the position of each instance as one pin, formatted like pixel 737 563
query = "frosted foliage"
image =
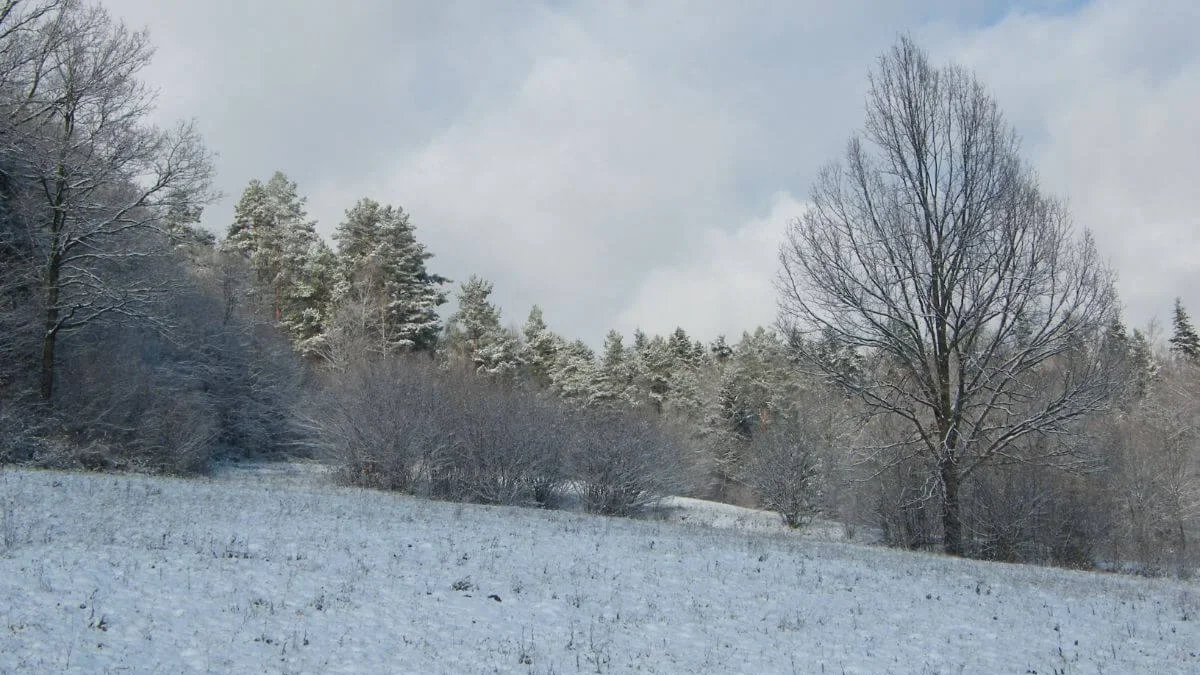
pixel 293 267
pixel 383 264
pixel 474 333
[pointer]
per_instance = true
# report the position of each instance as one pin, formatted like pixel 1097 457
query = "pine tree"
pixel 1144 366
pixel 685 399
pixel 293 267
pixel 573 373
pixel 309 291
pixel 1116 339
pixel 652 371
pixel 843 364
pixel 721 350
pixel 182 225
pixel 1185 341
pixel 754 384
pixel 380 258
pixel 640 341
pixel 262 219
pixel 680 345
pixel 541 347
pixel 614 377
pixel 474 333
pixel 683 380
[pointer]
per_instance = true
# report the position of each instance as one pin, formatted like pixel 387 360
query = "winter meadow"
pixel 261 449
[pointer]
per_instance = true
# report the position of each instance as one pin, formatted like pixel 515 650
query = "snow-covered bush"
pixel 401 423
pixel 786 468
pixel 503 444
pixel 404 424
pixel 623 462
pixel 376 421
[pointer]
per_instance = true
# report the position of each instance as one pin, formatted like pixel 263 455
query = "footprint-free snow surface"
pixel 104 574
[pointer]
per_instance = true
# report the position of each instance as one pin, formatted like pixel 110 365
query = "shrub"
pixel 623 462
pixel 376 420
pixel 786 469
pixel 504 444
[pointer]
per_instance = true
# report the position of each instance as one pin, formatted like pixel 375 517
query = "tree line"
pixel 949 368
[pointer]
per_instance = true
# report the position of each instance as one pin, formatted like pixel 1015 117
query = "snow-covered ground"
pixel 261 572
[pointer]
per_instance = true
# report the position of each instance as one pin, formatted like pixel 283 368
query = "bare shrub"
pixel 904 503
pixel 132 406
pixel 400 423
pixel 1153 476
pixel 624 462
pixel 377 420
pixel 505 444
pixel 785 467
pixel 177 435
pixel 1033 514
pixel 795 463
pixel 19 438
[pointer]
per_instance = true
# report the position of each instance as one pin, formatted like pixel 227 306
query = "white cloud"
pixel 725 284
pixel 1106 98
pixel 597 157
pixel 590 170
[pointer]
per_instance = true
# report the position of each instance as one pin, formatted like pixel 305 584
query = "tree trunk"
pixel 50 334
pixel 952 540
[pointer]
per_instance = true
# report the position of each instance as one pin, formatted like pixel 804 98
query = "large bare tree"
pixel 98 178
pixel 931 250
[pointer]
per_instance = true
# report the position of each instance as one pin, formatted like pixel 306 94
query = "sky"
pixel 635 163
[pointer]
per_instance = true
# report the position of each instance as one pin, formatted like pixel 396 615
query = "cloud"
pixel 599 157
pixel 1106 98
pixel 723 286
pixel 561 190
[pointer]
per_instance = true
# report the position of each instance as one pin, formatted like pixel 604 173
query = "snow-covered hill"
pixel 106 574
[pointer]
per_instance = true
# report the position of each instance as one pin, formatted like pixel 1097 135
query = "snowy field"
pixel 277 572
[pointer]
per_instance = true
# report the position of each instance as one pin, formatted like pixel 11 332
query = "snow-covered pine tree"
pixel 652 371
pixel 573 373
pixel 182 225
pixel 540 349
pixel 1184 341
pixel 381 261
pixel 843 364
pixel 666 373
pixel 614 377
pixel 684 398
pixel 474 333
pixel 1116 341
pixel 1143 363
pixel 721 351
pixel 309 291
pixel 640 341
pixel 293 267
pixel 754 383
pixel 260 219
pixel 680 345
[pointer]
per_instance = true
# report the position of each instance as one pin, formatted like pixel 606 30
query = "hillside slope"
pixel 107 574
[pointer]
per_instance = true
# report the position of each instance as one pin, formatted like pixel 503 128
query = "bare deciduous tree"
pixel 932 249
pixel 100 173
pixel 785 469
pixel 1154 473
pixel 791 463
